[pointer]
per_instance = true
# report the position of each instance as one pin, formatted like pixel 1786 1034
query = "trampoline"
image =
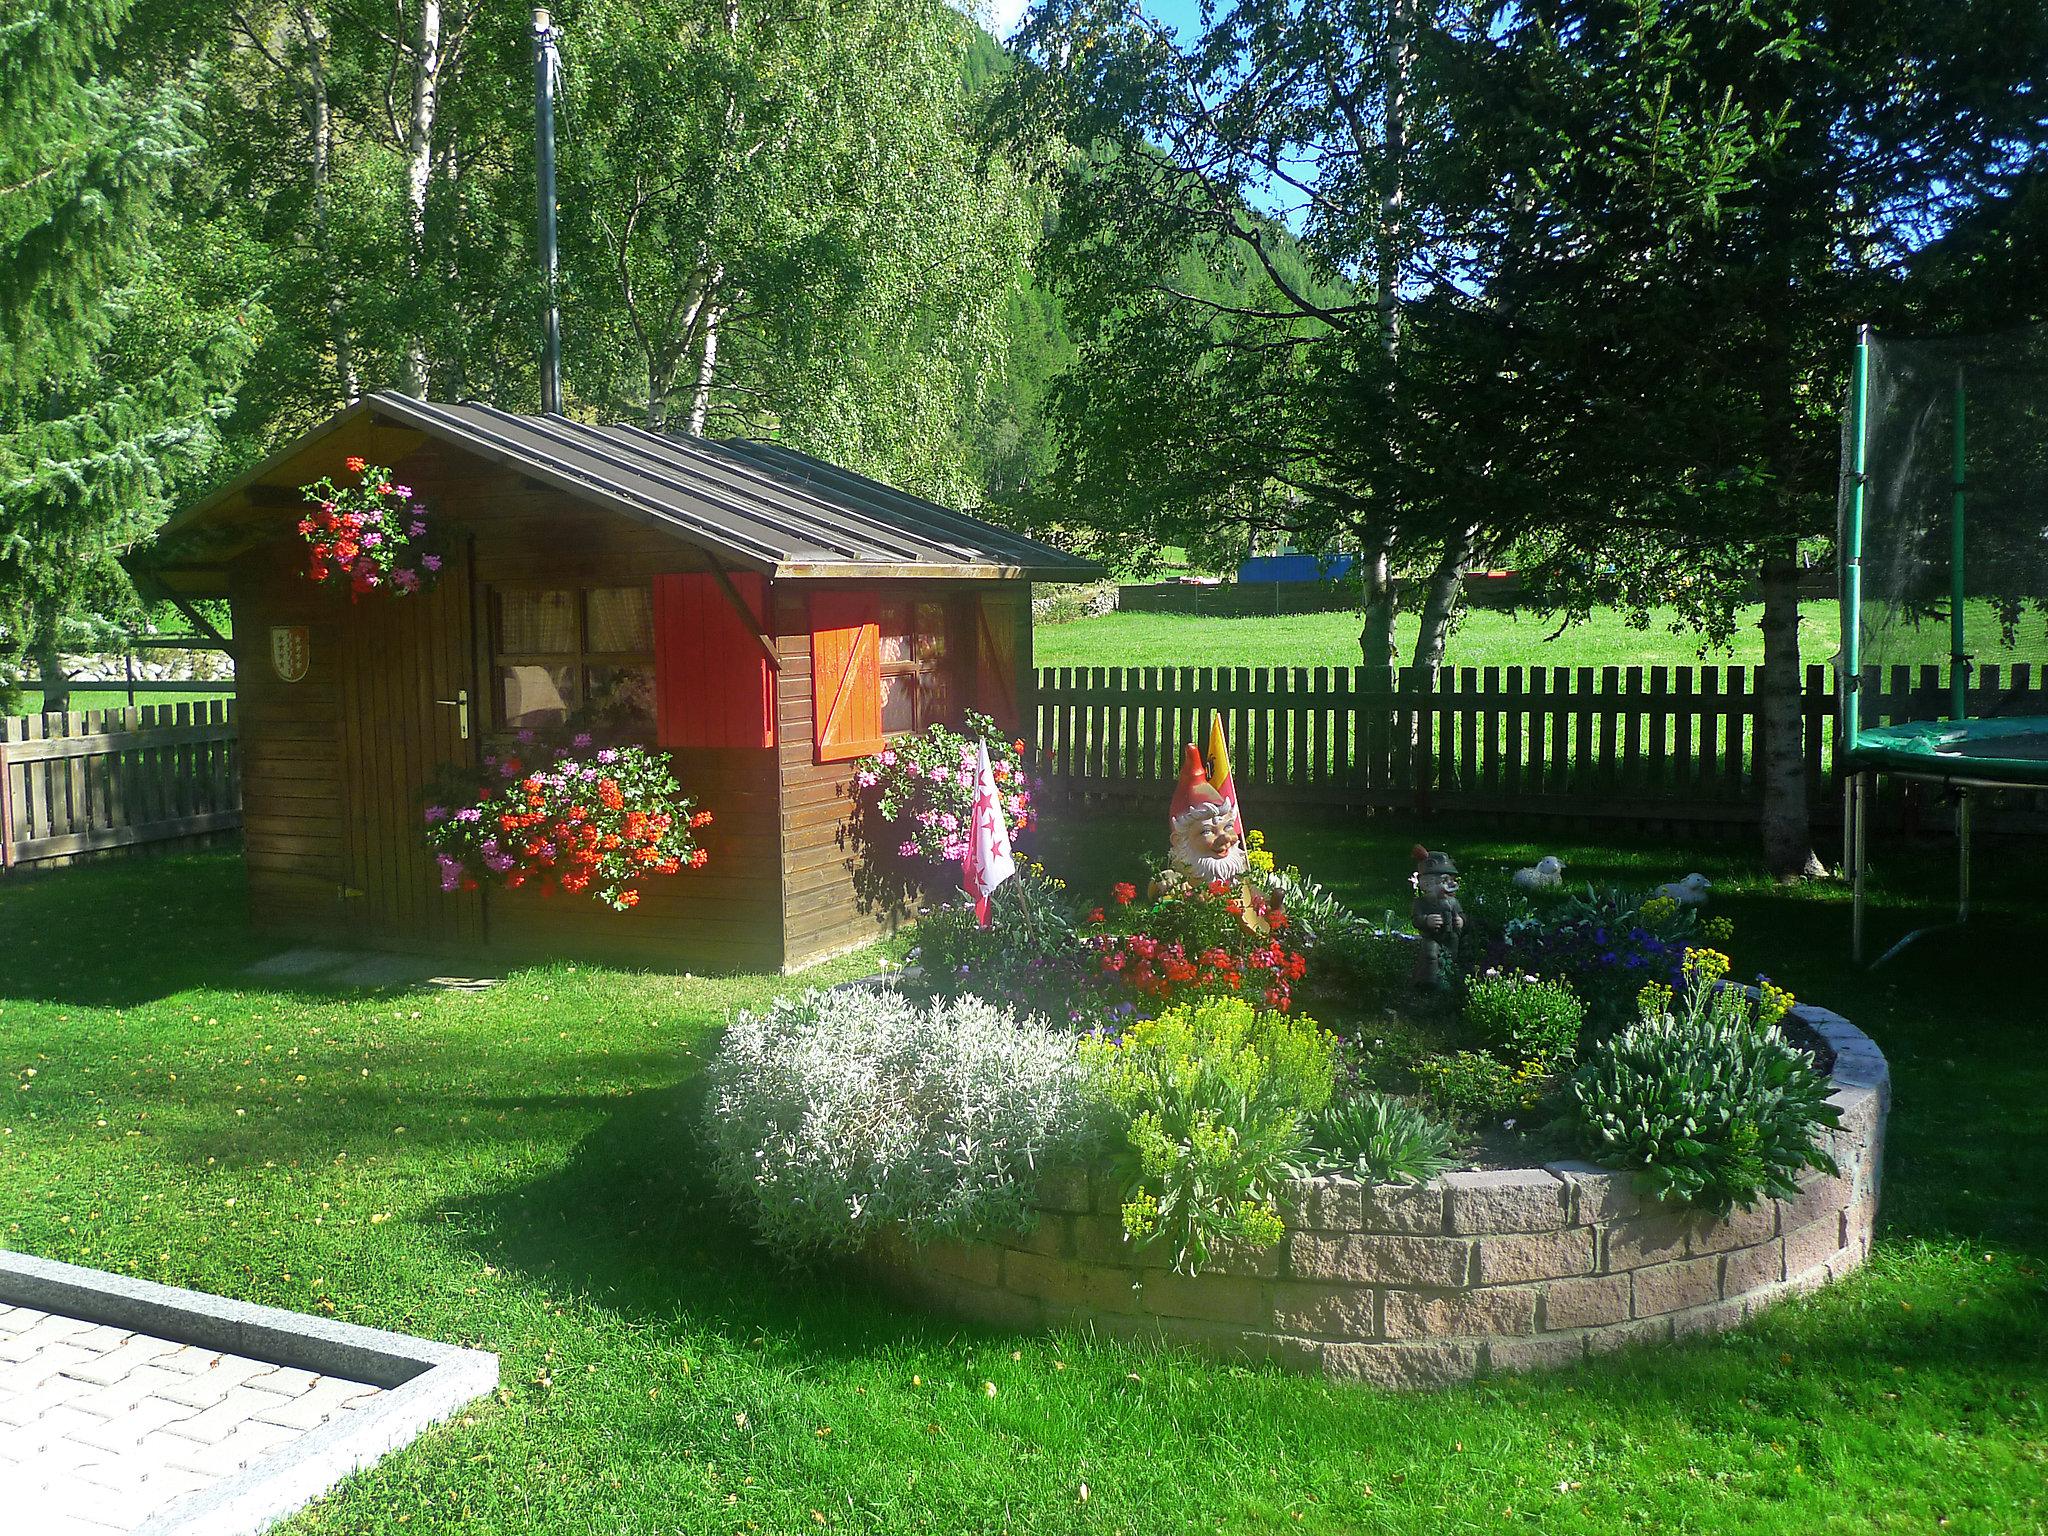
pixel 1943 546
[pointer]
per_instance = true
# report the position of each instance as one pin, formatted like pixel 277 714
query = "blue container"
pixel 1295 568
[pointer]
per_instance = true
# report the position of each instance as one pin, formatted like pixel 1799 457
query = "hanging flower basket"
pixel 569 818
pixel 372 534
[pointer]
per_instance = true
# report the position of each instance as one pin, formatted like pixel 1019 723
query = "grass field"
pixel 514 1169
pixel 103 698
pixel 1484 638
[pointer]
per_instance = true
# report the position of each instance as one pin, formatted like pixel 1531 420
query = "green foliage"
pixel 1382 1139
pixel 1713 1104
pixel 1477 1085
pixel 789 228
pixel 1352 957
pixel 1525 1019
pixel 1028 955
pixel 116 367
pixel 1212 1098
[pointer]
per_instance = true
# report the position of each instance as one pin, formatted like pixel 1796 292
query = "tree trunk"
pixel 1440 600
pixel 50 663
pixel 320 126
pixel 1788 842
pixel 419 169
pixel 1376 637
pixel 707 357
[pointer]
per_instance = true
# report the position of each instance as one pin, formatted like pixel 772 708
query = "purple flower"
pixel 415 529
pixel 372 539
pixel 607 756
pixel 402 490
pixel 907 851
pixel 865 779
pixel 949 822
pixel 582 739
pixel 504 770
pixel 436 813
pixel 527 738
pixel 451 872
pixel 589 775
pixel 469 813
pixel 431 562
pixel 498 862
pixel 406 581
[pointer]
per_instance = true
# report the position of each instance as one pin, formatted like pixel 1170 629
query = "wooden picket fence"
pixel 77 784
pixel 1659 744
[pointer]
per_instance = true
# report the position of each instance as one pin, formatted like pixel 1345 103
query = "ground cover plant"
pixel 836 1115
pixel 510 1169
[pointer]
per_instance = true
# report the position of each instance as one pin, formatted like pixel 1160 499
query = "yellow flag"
pixel 1219 769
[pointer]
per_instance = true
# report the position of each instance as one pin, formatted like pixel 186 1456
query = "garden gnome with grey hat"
pixel 1439 920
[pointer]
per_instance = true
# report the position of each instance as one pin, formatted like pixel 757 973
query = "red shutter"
pixel 846 674
pixel 998 618
pixel 712 683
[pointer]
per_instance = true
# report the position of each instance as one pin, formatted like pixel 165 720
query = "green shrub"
pixel 1029 954
pixel 1524 1019
pixel 1480 1086
pixel 1212 1098
pixel 1350 953
pixel 1382 1139
pixel 1713 1105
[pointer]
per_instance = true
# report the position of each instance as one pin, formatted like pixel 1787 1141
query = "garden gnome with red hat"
pixel 1439 920
pixel 1203 844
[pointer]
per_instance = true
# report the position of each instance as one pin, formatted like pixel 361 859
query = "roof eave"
pixel 868 570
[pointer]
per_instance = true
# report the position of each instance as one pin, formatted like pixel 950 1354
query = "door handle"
pixel 460 704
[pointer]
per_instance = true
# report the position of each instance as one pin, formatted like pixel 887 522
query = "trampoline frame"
pixel 1860 760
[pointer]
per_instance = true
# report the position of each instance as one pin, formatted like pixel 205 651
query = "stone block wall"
pixel 1475 1272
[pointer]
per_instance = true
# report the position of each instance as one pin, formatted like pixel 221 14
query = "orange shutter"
pixel 846 674
pixel 712 683
pixel 998 619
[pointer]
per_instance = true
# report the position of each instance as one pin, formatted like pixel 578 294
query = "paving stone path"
pixel 102 1429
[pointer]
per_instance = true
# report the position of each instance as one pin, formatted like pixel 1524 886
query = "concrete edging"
pixel 425 1382
pixel 1474 1273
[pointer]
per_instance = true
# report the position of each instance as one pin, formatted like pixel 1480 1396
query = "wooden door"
pixel 405 656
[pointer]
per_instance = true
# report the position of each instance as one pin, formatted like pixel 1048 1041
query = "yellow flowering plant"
pixel 1214 1097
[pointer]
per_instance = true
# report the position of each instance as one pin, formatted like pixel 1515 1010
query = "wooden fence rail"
pixel 97 779
pixel 1665 743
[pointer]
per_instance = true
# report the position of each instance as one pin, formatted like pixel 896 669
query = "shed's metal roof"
pixel 759 505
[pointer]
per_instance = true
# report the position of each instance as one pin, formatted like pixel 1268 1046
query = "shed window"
pixel 581 654
pixel 915 692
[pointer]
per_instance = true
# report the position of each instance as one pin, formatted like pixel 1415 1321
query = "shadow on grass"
pixel 633 1222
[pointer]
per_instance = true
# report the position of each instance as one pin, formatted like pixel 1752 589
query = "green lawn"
pixel 1484 638
pixel 515 1170
pixel 114 698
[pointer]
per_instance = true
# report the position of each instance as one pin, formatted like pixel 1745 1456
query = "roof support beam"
pixel 739 606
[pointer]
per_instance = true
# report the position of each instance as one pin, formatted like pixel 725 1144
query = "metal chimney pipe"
pixel 545 64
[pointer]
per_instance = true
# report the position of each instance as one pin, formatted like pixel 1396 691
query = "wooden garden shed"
pixel 764 616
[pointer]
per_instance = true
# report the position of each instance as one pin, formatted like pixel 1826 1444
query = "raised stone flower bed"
pixel 1475 1272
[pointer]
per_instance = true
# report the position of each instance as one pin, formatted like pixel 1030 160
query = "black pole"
pixel 544 66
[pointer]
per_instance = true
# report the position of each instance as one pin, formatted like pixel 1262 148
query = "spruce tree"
pixel 109 391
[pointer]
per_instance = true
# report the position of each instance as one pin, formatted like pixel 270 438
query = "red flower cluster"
pixel 373 533
pixel 1168 972
pixel 598 823
pixel 1196 940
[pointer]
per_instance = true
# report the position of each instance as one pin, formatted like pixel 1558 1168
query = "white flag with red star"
pixel 986 863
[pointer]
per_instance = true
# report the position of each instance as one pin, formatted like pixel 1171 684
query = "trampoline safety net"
pixel 1951 520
